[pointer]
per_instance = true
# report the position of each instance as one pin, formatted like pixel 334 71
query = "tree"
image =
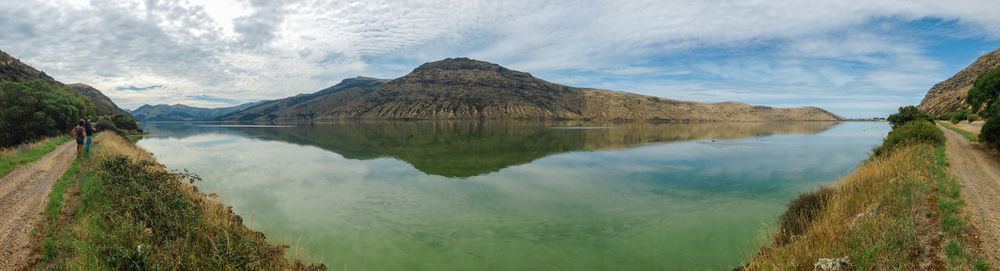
pixel 124 121
pixel 32 110
pixel 907 114
pixel 982 97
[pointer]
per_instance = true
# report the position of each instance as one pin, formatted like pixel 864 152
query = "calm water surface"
pixel 514 195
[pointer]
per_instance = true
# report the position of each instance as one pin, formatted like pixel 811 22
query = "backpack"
pixel 78 131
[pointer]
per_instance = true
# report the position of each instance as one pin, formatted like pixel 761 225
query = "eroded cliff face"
pixel 949 95
pixel 468 89
pixel 463 88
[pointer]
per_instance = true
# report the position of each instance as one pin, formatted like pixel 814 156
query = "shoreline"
pixel 165 219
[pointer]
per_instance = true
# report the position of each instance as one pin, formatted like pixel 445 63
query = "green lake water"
pixel 470 195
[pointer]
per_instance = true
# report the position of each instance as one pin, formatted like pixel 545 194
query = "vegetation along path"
pixel 978 171
pixel 23 195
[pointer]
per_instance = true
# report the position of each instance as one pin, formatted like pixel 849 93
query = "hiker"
pixel 90 133
pixel 79 132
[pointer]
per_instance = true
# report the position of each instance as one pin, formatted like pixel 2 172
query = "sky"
pixel 856 58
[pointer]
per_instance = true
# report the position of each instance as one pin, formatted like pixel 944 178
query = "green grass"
pixel 55 205
pixel 875 215
pixel 7 164
pixel 54 241
pixel 950 203
pixel 964 133
pixel 133 215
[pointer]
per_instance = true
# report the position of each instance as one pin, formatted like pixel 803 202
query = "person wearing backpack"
pixel 79 132
pixel 90 133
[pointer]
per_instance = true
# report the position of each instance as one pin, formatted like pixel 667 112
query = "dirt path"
pixel 978 171
pixel 23 195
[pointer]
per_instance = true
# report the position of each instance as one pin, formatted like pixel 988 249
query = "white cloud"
pixel 249 50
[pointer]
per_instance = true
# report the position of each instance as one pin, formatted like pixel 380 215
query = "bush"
pixel 801 212
pixel 990 134
pixel 125 122
pixel 108 125
pixel 982 97
pixel 908 114
pixel 914 132
pixel 973 117
pixel 34 109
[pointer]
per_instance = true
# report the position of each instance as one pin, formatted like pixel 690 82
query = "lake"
pixel 504 195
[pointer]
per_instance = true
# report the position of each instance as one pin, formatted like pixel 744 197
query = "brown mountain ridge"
pixel 949 95
pixel 462 88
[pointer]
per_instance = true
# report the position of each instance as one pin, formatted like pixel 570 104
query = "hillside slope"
pixel 12 69
pixel 180 112
pixel 102 104
pixel 949 95
pixel 463 88
pixel 305 107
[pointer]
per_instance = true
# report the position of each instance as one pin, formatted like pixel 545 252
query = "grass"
pixel 12 157
pixel 131 213
pixel 964 133
pixel 884 215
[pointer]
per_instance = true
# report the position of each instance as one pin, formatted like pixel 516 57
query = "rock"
pixel 949 95
pixel 832 264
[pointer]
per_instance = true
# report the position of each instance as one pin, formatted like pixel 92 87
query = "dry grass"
pixel 133 214
pixel 13 157
pixel 861 198
pixel 897 211
pixel 10 151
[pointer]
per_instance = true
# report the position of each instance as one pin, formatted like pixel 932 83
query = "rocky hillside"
pixel 102 104
pixel 12 69
pixel 949 95
pixel 463 88
pixel 180 112
pixel 306 107
pixel 606 105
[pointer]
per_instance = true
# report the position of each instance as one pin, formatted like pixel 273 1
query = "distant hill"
pixel 463 88
pixel 949 95
pixel 12 69
pixel 102 104
pixel 180 112
pixel 305 107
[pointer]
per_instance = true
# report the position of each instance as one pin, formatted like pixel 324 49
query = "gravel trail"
pixel 23 195
pixel 978 171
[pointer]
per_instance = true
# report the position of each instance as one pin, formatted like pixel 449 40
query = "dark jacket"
pixel 90 129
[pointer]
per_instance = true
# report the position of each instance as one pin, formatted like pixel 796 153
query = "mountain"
pixel 102 104
pixel 949 95
pixel 306 107
pixel 12 69
pixel 463 88
pixel 180 112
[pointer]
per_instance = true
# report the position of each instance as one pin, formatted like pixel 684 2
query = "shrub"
pixel 973 117
pixel 907 114
pixel 34 109
pixel 108 125
pixel 990 134
pixel 913 132
pixel 105 126
pixel 982 97
pixel 801 212
pixel 124 121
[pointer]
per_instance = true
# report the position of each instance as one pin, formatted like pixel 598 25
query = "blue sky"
pixel 855 58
